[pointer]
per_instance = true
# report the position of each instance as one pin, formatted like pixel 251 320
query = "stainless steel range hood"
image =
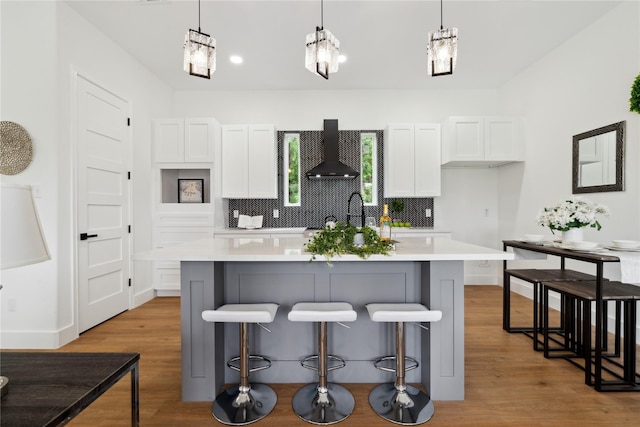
pixel 332 167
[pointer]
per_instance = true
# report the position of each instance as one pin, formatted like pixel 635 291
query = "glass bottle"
pixel 385 224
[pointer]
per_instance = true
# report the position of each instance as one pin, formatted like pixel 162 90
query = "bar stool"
pixel 578 343
pixel 535 277
pixel 323 402
pixel 399 402
pixel 244 403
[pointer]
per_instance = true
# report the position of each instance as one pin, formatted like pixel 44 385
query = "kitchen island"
pixel 235 270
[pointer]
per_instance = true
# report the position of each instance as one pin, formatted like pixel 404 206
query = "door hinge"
pixel 128 121
pixel 129 175
pixel 129 281
pixel 129 229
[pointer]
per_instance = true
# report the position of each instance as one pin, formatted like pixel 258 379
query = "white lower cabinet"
pixel 172 228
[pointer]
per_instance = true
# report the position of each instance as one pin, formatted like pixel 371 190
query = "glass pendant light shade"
pixel 199 54
pixel 442 51
pixel 322 52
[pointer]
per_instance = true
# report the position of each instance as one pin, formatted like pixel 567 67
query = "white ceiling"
pixel 384 41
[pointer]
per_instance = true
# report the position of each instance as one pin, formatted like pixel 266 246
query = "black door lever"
pixel 85 236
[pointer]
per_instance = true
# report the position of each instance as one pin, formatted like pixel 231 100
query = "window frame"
pixel 285 166
pixel 374 168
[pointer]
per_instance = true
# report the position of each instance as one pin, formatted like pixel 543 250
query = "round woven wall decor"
pixel 16 150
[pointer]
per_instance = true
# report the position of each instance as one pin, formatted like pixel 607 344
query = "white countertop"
pixel 292 249
pixel 265 230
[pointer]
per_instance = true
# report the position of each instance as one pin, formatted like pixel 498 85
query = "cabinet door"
pixel 198 140
pixel 467 135
pixel 502 139
pixel 235 166
pixel 427 160
pixel 399 175
pixel 263 162
pixel 168 140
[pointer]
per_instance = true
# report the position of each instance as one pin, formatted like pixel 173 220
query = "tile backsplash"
pixel 321 198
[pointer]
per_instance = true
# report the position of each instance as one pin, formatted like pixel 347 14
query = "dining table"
pixel 628 262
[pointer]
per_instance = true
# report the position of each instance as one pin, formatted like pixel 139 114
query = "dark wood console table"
pixel 48 389
pixel 594 258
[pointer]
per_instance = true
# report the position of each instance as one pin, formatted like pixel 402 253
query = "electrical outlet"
pixel 484 263
pixel 36 191
pixel 427 213
pixel 236 214
pixel 276 213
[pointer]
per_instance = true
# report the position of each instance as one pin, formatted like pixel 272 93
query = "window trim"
pixel 374 167
pixel 285 165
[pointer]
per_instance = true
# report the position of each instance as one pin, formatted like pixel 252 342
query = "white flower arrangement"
pixel 575 212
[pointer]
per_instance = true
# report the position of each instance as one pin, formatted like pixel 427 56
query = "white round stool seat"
pixel 242 313
pixel 322 312
pixel 403 312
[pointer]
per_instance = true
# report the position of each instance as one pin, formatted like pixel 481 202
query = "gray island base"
pixel 428 270
pixel 206 347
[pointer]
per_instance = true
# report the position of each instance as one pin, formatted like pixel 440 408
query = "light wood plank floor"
pixel 507 383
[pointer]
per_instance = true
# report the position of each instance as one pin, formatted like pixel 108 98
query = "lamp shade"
pixel 22 240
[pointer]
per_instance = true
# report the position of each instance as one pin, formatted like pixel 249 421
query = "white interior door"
pixel 102 203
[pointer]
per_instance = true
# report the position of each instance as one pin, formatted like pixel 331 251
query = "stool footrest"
pixel 410 363
pixel 330 357
pixel 234 363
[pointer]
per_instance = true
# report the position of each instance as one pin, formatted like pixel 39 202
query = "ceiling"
pixel 384 41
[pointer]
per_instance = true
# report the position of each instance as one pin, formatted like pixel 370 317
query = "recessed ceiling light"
pixel 342 58
pixel 236 59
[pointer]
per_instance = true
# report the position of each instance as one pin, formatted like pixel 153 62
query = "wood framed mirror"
pixel 598 159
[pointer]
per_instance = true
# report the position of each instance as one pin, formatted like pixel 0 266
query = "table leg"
pixel 135 397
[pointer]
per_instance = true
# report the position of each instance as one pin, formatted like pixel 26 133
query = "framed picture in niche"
pixel 190 190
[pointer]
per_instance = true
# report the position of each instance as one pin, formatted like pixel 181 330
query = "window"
pixel 369 168
pixel 292 169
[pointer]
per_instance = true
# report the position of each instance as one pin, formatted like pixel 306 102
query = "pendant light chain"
pixel 322 14
pixel 199 15
pixel 441 27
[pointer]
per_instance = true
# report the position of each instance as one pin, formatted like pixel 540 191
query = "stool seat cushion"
pixel 322 312
pixel 242 313
pixel 403 312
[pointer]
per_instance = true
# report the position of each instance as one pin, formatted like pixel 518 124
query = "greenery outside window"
pixel 291 169
pixel 369 168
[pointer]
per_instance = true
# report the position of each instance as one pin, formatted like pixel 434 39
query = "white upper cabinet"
pixel 482 141
pixel 412 160
pixel 249 162
pixel 183 140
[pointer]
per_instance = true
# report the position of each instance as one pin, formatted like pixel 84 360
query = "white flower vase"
pixel 572 235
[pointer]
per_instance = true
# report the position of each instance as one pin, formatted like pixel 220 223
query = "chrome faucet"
pixel 349 214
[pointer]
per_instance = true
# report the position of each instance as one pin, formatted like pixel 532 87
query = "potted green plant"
pixel 634 101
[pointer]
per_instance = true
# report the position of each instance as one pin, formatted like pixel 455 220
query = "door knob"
pixel 85 236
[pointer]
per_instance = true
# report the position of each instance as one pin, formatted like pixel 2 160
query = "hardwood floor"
pixel 507 383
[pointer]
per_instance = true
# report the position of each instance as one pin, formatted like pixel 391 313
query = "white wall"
pixel 37 93
pixel 582 85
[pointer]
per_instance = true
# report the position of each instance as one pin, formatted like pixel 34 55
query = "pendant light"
pixel 199 52
pixel 322 50
pixel 442 50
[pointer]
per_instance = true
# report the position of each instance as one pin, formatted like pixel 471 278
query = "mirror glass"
pixel 598 160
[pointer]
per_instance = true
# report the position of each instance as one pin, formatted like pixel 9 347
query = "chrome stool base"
pixel 238 408
pixel 323 408
pixel 409 407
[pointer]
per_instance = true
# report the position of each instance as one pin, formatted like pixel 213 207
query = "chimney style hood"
pixel 332 167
